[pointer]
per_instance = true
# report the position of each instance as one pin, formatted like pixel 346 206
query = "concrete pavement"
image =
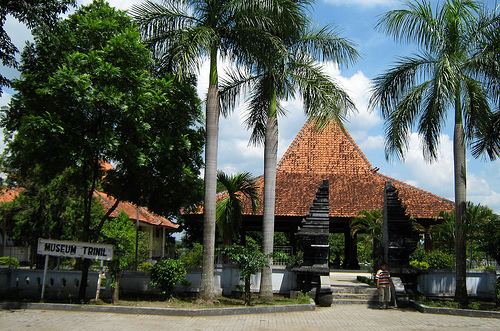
pixel 340 317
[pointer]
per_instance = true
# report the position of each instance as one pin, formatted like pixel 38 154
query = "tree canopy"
pixel 33 13
pixel 86 96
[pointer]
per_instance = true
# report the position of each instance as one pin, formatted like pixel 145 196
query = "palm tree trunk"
pixel 460 204
pixel 270 160
pixel 212 128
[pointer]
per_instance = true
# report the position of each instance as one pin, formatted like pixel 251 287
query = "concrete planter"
pixel 442 284
pixel 62 284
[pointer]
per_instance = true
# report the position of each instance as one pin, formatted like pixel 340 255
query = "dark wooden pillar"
pixel 350 250
pixel 427 239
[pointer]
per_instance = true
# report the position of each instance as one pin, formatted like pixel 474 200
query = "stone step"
pixel 354 302
pixel 355 296
pixel 354 289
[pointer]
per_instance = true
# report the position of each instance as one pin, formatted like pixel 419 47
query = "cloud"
pixel 358 87
pixel 372 142
pixel 363 3
pixel 436 176
pixel 480 191
pixel 120 4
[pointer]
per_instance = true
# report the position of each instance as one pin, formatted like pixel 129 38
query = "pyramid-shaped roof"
pixel 331 153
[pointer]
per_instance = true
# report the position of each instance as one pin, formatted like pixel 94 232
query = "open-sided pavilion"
pixel 354 185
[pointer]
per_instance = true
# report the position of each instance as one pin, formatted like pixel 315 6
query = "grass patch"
pixel 444 303
pixel 219 302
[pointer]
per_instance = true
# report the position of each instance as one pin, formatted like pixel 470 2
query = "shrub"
pixel 249 260
pixel 145 266
pixel 168 273
pixel 435 259
pixel 9 261
pixel 419 265
pixel 440 260
pixel 193 257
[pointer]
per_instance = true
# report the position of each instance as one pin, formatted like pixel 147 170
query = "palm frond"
pixel 476 106
pixel 399 122
pixel 487 137
pixel 238 81
pixel 187 50
pixel 155 19
pixel 257 113
pixel 389 88
pixel 414 24
pixel 436 103
pixel 324 100
pixel 229 210
pixel 326 44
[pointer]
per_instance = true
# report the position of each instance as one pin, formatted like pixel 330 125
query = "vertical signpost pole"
pixel 99 280
pixel 46 265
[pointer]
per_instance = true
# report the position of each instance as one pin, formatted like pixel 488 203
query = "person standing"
pixel 383 278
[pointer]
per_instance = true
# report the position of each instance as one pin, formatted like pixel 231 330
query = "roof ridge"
pixel 413 187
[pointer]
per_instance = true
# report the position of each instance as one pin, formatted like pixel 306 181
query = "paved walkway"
pixel 341 317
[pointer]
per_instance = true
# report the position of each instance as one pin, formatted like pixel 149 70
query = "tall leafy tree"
pixel 237 188
pixel 456 70
pixel 33 13
pixel 86 96
pixel 280 76
pixel 121 233
pixel 184 33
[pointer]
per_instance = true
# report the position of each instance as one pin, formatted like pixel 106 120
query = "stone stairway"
pixel 348 290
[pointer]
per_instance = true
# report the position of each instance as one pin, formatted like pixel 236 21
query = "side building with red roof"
pixel 155 226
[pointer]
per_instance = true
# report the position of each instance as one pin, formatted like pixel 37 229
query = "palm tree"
pixel 280 76
pixel 370 222
pixel 237 188
pixel 456 69
pixel 182 33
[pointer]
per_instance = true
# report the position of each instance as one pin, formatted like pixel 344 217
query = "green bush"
pixel 440 260
pixel 419 265
pixel 192 258
pixel 435 259
pixel 9 261
pixel 249 260
pixel 145 266
pixel 168 273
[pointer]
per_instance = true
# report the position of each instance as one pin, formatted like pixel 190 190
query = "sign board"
pixel 75 249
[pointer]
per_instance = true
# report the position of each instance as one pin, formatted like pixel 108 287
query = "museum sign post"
pixel 49 247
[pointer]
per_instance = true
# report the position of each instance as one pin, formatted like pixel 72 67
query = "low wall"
pixel 442 283
pixel 26 283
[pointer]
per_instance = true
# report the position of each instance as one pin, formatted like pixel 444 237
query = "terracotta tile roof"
pixel 354 186
pixel 134 212
pixel 9 194
pixel 145 216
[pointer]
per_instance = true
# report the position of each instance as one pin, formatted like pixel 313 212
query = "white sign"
pixel 75 249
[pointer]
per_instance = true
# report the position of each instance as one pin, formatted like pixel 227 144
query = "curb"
pixel 158 311
pixel 453 311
